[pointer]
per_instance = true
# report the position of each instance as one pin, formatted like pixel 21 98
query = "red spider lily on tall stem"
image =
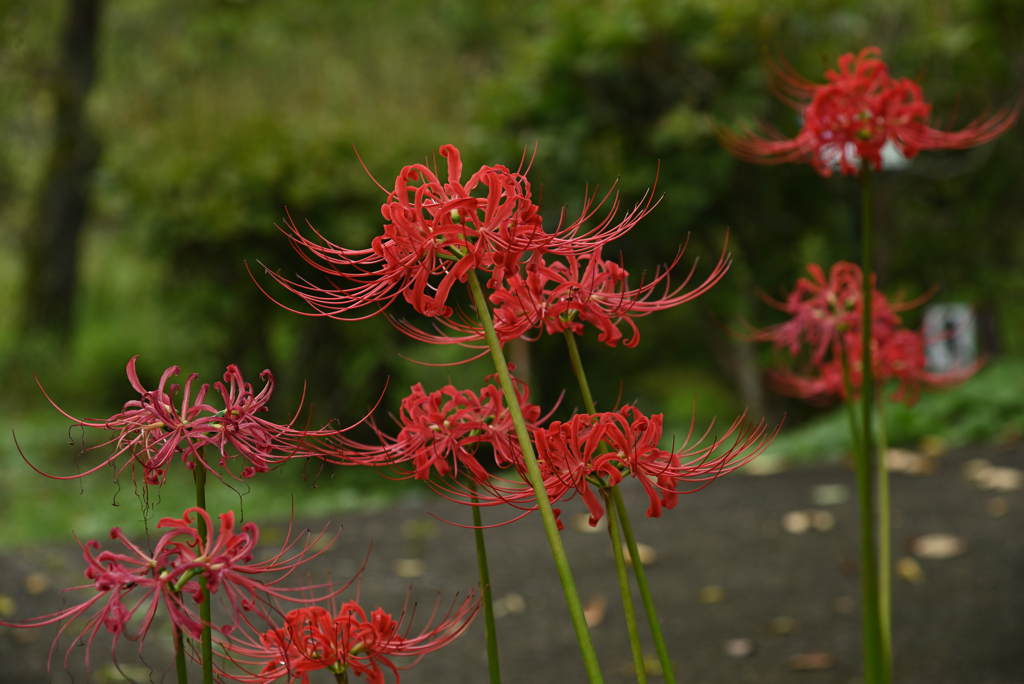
pixel 132 584
pixel 341 640
pixel 152 430
pixel 846 123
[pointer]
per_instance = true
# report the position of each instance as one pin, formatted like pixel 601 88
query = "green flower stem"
pixel 624 588
pixel 577 369
pixel 645 590
pixel 341 677
pixel 204 607
pixel 875 669
pixel 884 536
pixel 627 528
pixel 851 403
pixel 490 633
pixel 179 656
pixel 579 622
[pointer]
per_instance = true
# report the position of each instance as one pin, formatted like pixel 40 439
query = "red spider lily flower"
pixel 595 451
pixel 555 295
pixel 826 326
pixel 436 232
pixel 896 354
pixel 152 430
pixel 135 582
pixel 852 116
pixel 821 309
pixel 341 640
pixel 441 432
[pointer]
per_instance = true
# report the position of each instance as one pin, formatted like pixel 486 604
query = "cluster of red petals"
pixel 441 432
pixel 589 453
pixel 825 327
pixel 153 429
pixel 848 120
pixel 436 232
pixel 341 640
pixel 557 295
pixel 131 585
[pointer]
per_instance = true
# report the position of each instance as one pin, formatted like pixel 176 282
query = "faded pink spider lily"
pixel 852 116
pixel 896 354
pixel 826 322
pixel 556 296
pixel 436 232
pixel 442 431
pixel 152 430
pixel 133 583
pixel 341 640
pixel 597 451
pixel 821 309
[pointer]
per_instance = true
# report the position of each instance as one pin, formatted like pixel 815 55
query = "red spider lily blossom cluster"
pixel 152 429
pixel 826 319
pixel 437 232
pixel 441 432
pixel 134 583
pixel 599 450
pixel 341 640
pixel 852 116
pixel 554 295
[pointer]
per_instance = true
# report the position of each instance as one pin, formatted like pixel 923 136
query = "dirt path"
pixel 786 594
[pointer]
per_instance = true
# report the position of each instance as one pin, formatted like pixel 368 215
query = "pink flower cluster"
pixel 152 429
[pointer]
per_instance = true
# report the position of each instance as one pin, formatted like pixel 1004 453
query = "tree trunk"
pixel 52 249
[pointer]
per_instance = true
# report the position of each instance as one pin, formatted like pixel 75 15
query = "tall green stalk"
pixel 490 632
pixel 179 655
pixel 624 588
pixel 204 607
pixel 876 669
pixel 572 599
pixel 884 536
pixel 627 528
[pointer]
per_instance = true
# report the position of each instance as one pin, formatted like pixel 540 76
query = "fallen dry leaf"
pixel 36 583
pixel 910 570
pixel 815 660
pixel 829 494
pixel 648 554
pixel 997 506
pixel 1000 479
pixel 581 523
pixel 932 445
pixel 796 522
pixel 909 462
pixel 595 609
pixel 783 624
pixel 823 521
pixel 938 546
pixel 8 606
pixel 712 593
pixel 409 568
pixel 975 467
pixel 738 648
pixel 509 604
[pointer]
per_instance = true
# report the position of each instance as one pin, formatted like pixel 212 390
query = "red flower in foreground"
pixel 441 432
pixel 825 326
pixel 556 296
pixel 593 451
pixel 852 116
pixel 436 232
pixel 151 430
pixel 341 640
pixel 131 585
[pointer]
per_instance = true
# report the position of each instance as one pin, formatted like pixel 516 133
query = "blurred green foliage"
pixel 217 117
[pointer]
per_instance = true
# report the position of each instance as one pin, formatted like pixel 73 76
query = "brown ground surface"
pixel 964 624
